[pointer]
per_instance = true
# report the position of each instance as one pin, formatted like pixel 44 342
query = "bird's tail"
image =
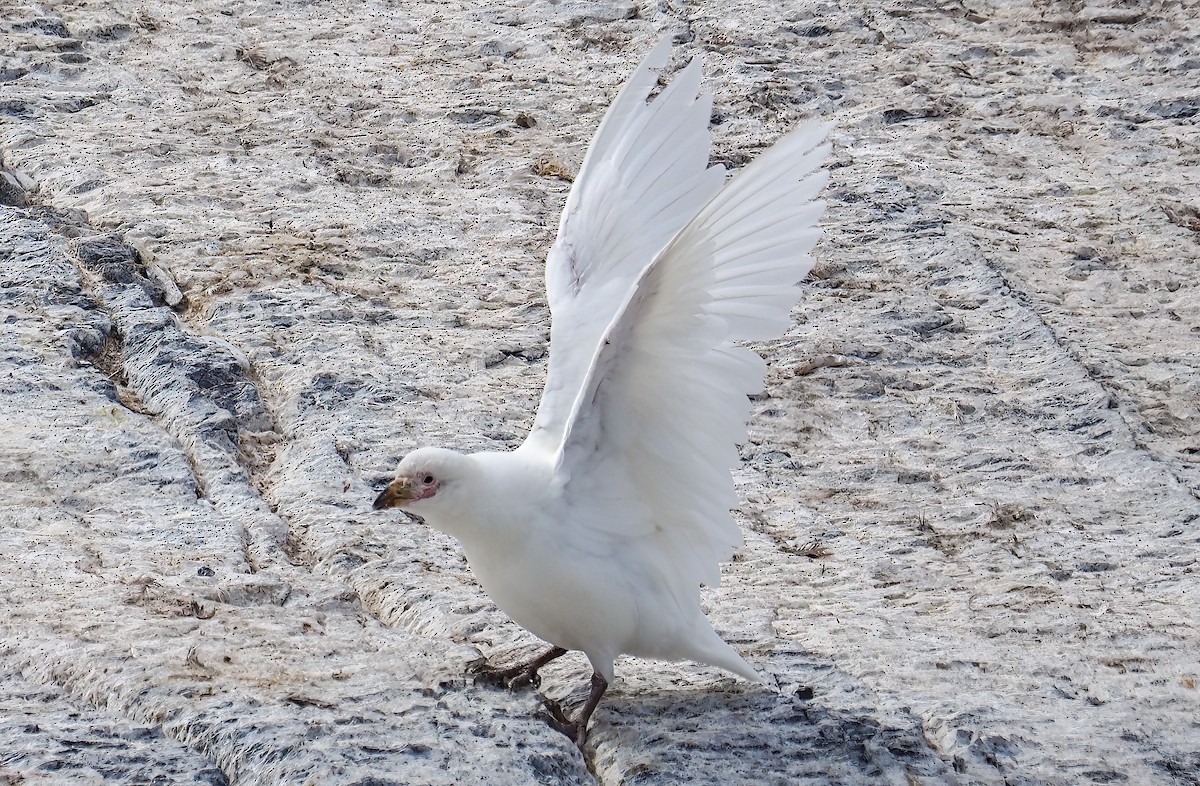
pixel 713 650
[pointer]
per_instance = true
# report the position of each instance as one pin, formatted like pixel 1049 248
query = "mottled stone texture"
pixel 251 253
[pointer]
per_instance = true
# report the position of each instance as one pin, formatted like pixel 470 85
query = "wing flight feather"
pixel 645 175
pixel 664 402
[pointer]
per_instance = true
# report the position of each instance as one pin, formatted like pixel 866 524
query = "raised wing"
pixel 645 175
pixel 653 432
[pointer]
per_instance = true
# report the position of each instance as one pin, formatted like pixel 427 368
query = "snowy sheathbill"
pixel 597 533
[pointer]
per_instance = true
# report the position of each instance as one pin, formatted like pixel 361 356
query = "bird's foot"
pixel 557 719
pixel 513 677
pixel 576 730
pixel 519 676
pixel 526 678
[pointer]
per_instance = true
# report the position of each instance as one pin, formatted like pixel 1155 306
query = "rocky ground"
pixel 256 251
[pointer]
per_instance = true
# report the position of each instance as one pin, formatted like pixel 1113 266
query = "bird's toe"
pixel 511 678
pixel 556 721
pixel 524 679
pixel 486 674
pixel 556 718
pixel 554 712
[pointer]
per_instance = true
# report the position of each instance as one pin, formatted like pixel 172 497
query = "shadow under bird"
pixel 597 533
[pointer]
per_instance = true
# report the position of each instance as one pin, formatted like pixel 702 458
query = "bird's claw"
pixel 525 679
pixel 576 730
pixel 556 719
pixel 487 674
pixel 555 711
pixel 515 678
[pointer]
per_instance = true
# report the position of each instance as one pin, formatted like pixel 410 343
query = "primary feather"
pixel 598 532
pixel 645 175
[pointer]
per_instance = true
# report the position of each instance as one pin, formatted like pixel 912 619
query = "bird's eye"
pixel 427 479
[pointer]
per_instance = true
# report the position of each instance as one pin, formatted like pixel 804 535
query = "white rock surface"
pixel 987 412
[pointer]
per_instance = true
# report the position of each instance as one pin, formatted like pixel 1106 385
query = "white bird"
pixel 597 533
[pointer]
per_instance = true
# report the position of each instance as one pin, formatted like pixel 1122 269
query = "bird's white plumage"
pixel 645 175
pixel 597 533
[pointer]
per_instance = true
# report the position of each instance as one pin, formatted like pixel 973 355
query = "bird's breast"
pixel 558 592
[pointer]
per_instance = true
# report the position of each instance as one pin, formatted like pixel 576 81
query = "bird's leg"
pixel 519 676
pixel 576 729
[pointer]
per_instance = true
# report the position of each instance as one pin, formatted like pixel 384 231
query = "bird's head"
pixel 427 480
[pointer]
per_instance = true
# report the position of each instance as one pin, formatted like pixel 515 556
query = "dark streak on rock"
pixel 198 388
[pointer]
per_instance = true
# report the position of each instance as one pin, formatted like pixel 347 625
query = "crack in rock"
pixel 197 386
